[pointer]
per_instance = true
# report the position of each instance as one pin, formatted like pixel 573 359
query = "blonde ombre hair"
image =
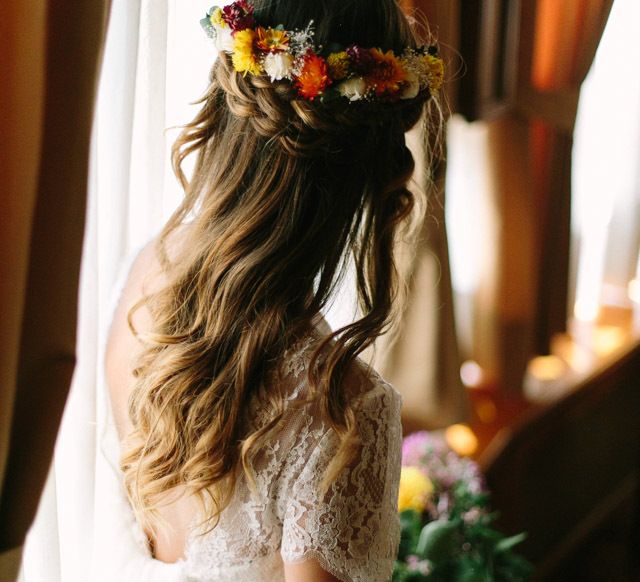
pixel 283 192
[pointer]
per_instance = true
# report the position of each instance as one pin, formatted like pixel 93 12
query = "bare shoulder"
pixel 145 277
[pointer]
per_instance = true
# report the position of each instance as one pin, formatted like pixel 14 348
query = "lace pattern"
pixel 353 531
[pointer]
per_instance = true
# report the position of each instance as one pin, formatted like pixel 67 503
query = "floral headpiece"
pixel 353 72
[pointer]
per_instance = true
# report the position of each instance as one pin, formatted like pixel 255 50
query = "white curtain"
pixel 156 62
pixel 606 175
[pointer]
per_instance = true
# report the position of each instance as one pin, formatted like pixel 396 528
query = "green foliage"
pixel 460 546
pixel 437 541
pixel 410 528
pixel 453 539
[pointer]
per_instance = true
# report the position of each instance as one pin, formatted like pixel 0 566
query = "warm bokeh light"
pixel 586 311
pixel 486 410
pixel 461 439
pixel 546 378
pixel 546 368
pixel 471 374
pixel 607 339
pixel 574 348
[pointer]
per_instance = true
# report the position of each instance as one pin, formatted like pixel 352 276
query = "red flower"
pixel 314 77
pixel 361 60
pixel 238 15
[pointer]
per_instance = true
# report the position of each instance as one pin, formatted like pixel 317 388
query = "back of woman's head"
pixel 283 192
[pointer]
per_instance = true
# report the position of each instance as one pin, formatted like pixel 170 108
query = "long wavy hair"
pixel 284 192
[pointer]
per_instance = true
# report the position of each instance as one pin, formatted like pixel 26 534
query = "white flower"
pixel 224 40
pixel 413 86
pixel 278 65
pixel 354 88
pixel 302 40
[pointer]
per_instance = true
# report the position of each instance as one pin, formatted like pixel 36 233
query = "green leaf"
pixel 507 544
pixel 410 518
pixel 410 523
pixel 437 540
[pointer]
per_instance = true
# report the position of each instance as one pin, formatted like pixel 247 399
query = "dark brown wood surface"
pixel 570 465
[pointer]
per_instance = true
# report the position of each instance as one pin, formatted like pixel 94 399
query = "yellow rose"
pixel 415 489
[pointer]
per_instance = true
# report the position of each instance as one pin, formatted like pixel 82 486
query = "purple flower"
pixel 417 565
pixel 430 452
pixel 361 60
pixel 418 446
pixel 470 517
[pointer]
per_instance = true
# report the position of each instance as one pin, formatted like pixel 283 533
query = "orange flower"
pixel 313 78
pixel 388 74
pixel 271 40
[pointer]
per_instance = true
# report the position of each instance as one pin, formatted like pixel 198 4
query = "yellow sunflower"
pixel 244 57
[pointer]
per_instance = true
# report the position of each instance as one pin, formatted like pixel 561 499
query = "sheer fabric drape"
pixel 606 180
pixel 154 60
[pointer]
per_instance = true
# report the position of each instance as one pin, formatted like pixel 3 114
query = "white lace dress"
pixel 353 531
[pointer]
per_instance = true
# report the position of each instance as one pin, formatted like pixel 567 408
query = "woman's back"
pixel 351 531
pixel 243 418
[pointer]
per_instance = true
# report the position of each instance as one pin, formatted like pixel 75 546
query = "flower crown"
pixel 353 72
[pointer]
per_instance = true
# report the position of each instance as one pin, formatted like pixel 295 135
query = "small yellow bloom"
pixel 435 65
pixel 216 18
pixel 415 489
pixel 244 57
pixel 338 64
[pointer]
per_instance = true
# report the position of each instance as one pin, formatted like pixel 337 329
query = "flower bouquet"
pixel 446 532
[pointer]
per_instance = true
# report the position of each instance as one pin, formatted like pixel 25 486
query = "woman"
pixel 255 445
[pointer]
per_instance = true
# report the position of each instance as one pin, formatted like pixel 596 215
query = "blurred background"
pixel 520 337
pixel 540 202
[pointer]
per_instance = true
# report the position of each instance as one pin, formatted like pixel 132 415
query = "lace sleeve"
pixel 354 530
